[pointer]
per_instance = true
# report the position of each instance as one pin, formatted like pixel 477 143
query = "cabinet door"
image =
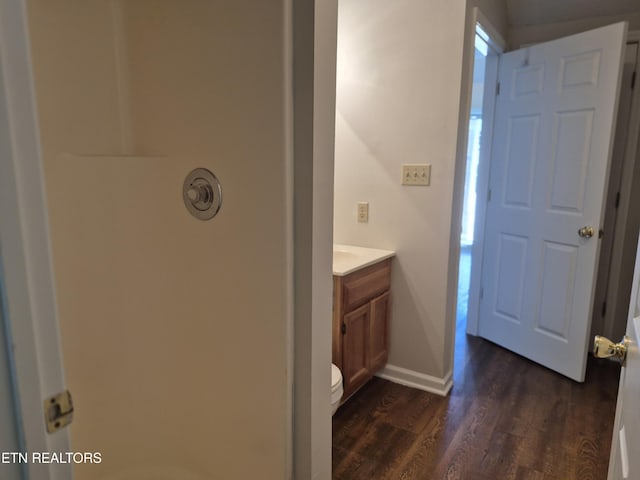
pixel 379 332
pixel 355 352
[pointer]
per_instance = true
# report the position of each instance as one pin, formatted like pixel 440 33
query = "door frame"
pixel 498 45
pixel 615 441
pixel 633 144
pixel 621 252
pixel 26 253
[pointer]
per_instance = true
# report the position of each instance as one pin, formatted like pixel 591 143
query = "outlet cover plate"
pixel 416 174
pixel 363 212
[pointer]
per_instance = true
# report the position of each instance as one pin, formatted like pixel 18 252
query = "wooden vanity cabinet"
pixel 361 309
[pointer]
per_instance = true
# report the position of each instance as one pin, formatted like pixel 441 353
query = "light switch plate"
pixel 416 174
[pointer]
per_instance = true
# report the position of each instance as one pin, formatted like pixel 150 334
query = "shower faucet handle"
pixel 202 194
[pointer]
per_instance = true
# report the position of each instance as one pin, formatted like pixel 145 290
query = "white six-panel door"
pixel 552 144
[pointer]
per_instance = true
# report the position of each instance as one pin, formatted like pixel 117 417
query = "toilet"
pixel 336 388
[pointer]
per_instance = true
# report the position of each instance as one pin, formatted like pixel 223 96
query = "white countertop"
pixel 349 258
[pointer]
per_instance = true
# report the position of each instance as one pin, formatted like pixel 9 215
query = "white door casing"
pixel 24 240
pixel 628 221
pixel 624 462
pixel 9 438
pixel 553 138
pixel 620 225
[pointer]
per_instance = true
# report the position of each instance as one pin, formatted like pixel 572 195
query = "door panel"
pixel 152 331
pixel 528 80
pixel 511 275
pixel 355 361
pixel 379 332
pixel 523 132
pixel 580 70
pixel 558 267
pixel 552 144
pixel 572 141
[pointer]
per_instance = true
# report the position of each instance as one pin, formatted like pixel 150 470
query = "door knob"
pixel 605 348
pixel 586 232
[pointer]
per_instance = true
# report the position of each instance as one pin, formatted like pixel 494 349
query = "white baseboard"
pixel 421 381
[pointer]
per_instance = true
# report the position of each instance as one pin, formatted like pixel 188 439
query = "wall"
pixel 521 35
pixel 77 76
pixel 398 90
pixel 175 332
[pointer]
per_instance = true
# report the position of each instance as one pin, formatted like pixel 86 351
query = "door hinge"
pixel 498 88
pixel 604 308
pixel 488 195
pixel 633 80
pixel 343 329
pixel 58 411
pixel 617 199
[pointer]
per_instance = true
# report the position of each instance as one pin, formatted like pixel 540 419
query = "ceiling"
pixel 540 12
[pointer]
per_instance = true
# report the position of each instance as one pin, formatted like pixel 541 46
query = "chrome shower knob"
pixel 202 194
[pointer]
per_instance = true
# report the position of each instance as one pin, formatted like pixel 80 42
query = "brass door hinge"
pixel 58 411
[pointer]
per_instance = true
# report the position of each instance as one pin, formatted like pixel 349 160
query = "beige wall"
pixel 175 332
pixel 398 91
pixel 77 75
pixel 400 69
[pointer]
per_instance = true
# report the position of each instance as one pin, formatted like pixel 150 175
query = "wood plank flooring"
pixel 506 418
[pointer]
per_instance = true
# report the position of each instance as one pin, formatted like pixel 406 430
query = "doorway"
pixel 621 221
pixel 546 312
pixel 471 178
pixel 487 48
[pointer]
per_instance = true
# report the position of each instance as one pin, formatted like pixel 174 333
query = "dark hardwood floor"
pixel 506 418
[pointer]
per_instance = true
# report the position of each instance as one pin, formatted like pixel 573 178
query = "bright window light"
pixel 480 44
pixel 482 33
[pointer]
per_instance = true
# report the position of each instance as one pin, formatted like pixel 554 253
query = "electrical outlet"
pixel 363 212
pixel 416 174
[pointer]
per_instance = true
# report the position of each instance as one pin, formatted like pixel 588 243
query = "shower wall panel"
pixel 174 330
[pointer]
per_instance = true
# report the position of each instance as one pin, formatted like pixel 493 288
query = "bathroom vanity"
pixel 361 307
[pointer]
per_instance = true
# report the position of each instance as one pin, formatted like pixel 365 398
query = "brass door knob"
pixel 586 232
pixel 605 348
